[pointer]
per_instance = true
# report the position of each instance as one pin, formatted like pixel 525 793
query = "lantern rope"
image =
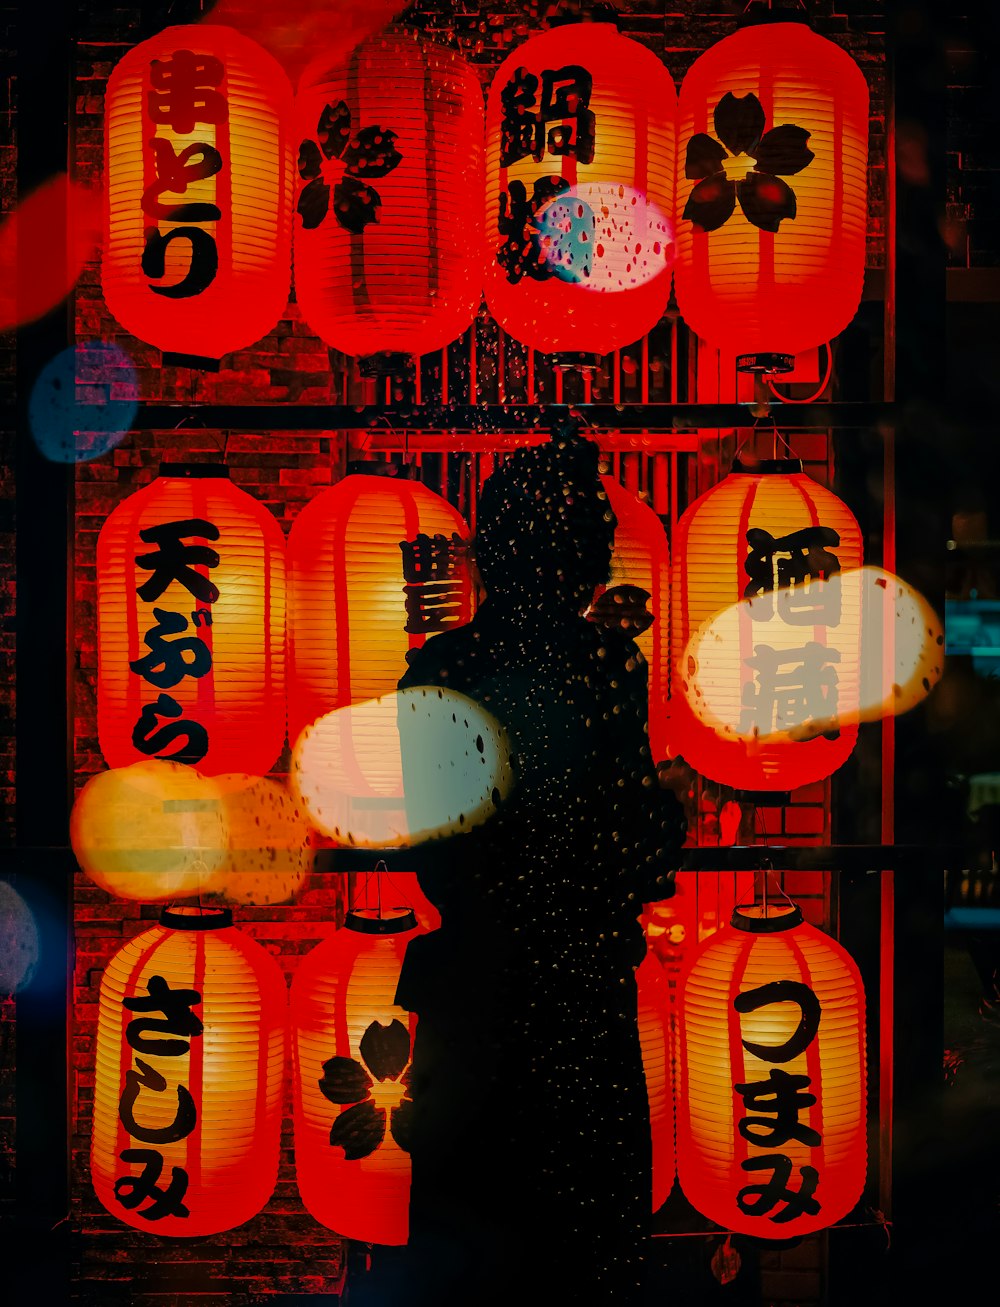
pixel 809 399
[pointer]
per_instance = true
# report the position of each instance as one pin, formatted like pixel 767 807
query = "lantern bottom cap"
pixel 199 361
pixel 765 363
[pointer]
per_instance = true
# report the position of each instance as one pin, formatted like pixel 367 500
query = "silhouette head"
pixel 545 527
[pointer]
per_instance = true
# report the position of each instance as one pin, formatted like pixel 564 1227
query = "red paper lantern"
pixel 772 191
pixel 191 625
pixel 389 226
pixel 197 248
pixel 191 1042
pixel 772 529
pixel 702 903
pixel 771 1118
pixel 580 142
pixel 376 564
pixel 637 597
pixel 352 1048
pixel 655 1039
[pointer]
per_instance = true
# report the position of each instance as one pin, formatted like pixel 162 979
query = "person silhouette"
pixel 530 1146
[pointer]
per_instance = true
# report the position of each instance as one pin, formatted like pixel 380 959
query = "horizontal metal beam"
pixel 491 420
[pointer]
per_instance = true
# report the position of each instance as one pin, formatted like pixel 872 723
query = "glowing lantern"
pixel 351 1051
pixel 191 1038
pixel 197 249
pixel 415 765
pixel 702 903
pixel 191 625
pixel 772 191
pixel 640 575
pixel 375 565
pixel 772 529
pixel 389 225
pixel 771 1116
pixel 580 149
pixel 654 1036
pixel 151 832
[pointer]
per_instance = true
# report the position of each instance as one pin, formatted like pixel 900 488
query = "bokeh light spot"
pixel 44 245
pixel 19 946
pixel 83 402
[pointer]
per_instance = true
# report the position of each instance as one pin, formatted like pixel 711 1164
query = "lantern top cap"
pixel 381 921
pixel 769 467
pixel 756 919
pixel 766 11
pixel 191 471
pixel 196 918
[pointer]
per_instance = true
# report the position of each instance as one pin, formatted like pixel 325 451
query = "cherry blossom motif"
pixel 376 1087
pixel 354 157
pixel 764 198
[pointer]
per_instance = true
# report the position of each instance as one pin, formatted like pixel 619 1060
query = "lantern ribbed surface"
pixel 389 224
pixel 791 278
pixel 654 1037
pixel 641 557
pixel 209 112
pixel 348 610
pixel 710 576
pixel 711 1147
pixel 351 1051
pixel 227 1025
pixel 580 145
pixel 182 675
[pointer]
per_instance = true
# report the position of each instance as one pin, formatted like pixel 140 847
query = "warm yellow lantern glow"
pixel 771 1126
pixel 352 1048
pixel 191 1041
pixel 152 832
pixel 198 147
pixel 375 565
pixel 269 852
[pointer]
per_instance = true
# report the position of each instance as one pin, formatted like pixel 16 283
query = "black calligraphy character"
pixel 203 265
pixel 534 242
pixel 183 91
pixel 566 101
pixel 131 1190
pixel 782 1096
pixel 565 104
pixel 434 588
pixel 150 738
pixel 760 1199
pixel 520 128
pixel 175 173
pixel 148 1077
pixel 169 661
pixel 805 692
pixel 788 564
pixel 178 1019
pixel 175 561
pixel 782 991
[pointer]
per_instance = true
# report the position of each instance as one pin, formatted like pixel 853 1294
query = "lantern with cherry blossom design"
pixel 772 200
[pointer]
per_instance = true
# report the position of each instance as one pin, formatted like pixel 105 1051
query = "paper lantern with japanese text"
pixel 375 564
pixel 637 597
pixel 771 1107
pixel 199 162
pixel 655 1040
pixel 772 202
pixel 191 625
pixel 580 143
pixel 771 529
pixel 351 1051
pixel 191 1039
pixel 389 222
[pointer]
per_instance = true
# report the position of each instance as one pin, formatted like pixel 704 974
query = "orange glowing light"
pixel 44 245
pixel 771 1109
pixel 191 1041
pixel 269 850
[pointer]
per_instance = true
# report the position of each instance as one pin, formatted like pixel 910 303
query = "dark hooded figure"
pixel 531 1139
